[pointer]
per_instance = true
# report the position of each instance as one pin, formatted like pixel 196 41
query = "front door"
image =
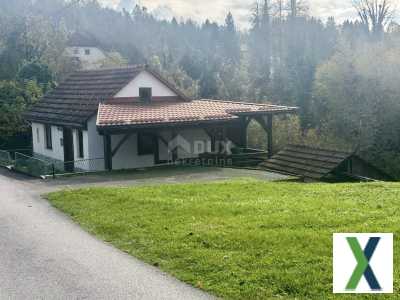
pixel 68 150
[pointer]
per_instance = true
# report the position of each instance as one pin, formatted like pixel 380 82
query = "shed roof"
pixel 316 164
pixel 306 161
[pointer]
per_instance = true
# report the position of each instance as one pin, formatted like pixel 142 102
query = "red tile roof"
pixel 114 113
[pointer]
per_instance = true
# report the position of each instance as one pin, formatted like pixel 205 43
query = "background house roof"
pixel 114 114
pixel 76 99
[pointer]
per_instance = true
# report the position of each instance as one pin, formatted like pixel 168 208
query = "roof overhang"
pixel 116 129
pixel 122 117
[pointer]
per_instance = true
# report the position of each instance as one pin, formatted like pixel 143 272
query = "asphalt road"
pixel 44 255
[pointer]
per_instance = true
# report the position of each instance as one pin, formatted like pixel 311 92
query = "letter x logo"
pixel 363 268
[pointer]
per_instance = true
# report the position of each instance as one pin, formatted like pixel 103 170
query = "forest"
pixel 344 77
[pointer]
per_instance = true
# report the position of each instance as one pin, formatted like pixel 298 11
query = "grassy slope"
pixel 242 240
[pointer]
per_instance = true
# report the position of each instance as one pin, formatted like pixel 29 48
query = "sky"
pixel 216 10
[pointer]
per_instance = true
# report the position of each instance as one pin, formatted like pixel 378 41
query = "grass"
pixel 243 239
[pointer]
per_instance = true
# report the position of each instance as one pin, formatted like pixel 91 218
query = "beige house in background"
pixel 87 53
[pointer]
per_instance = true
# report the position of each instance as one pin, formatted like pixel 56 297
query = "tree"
pixel 113 60
pixel 15 99
pixel 355 97
pixel 231 40
pixel 374 15
pixel 40 73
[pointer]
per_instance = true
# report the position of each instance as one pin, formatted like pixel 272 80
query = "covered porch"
pixel 145 135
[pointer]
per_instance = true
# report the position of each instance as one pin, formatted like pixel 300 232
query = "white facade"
pixel 145 80
pixel 191 141
pixel 39 142
pixel 90 57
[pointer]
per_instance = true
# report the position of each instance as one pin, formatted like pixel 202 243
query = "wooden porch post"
pixel 156 149
pixel 107 152
pixel 222 148
pixel 267 125
pixel 244 124
pixel 270 137
pixel 175 150
pixel 211 132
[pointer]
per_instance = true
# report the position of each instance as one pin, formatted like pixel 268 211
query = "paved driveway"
pixel 44 255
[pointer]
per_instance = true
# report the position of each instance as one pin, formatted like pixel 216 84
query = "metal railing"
pixel 32 166
pixel 5 158
pixel 90 165
pixel 41 167
pixel 80 166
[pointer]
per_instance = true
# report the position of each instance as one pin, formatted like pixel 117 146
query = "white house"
pixel 133 118
pixel 85 50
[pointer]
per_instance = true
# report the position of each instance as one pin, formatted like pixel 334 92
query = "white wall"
pixel 95 144
pixel 145 79
pixel 39 142
pixel 92 61
pixel 127 156
pixel 75 134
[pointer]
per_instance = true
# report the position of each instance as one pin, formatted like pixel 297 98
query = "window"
pixel 145 95
pixel 80 144
pixel 49 141
pixel 76 51
pixel 87 51
pixel 38 135
pixel 145 144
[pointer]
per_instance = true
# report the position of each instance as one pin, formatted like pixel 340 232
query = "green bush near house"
pixel 242 239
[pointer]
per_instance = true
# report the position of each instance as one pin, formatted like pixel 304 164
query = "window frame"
pixel 81 152
pixel 147 96
pixel 144 148
pixel 48 137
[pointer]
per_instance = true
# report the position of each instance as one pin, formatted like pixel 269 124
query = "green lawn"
pixel 243 239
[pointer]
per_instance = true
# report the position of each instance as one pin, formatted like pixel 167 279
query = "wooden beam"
pixel 107 152
pixel 161 138
pixel 244 124
pixel 121 142
pixel 223 137
pixel 248 120
pixel 156 149
pixel 270 137
pixel 211 134
pixel 175 150
pixel 267 125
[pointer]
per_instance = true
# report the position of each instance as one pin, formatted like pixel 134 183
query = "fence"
pixel 23 161
pixel 26 151
pixel 79 166
pixel 32 166
pixel 245 158
pixel 5 158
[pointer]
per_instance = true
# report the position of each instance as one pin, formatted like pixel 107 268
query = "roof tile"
pixel 167 112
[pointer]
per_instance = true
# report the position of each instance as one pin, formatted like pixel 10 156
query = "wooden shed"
pixel 314 164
